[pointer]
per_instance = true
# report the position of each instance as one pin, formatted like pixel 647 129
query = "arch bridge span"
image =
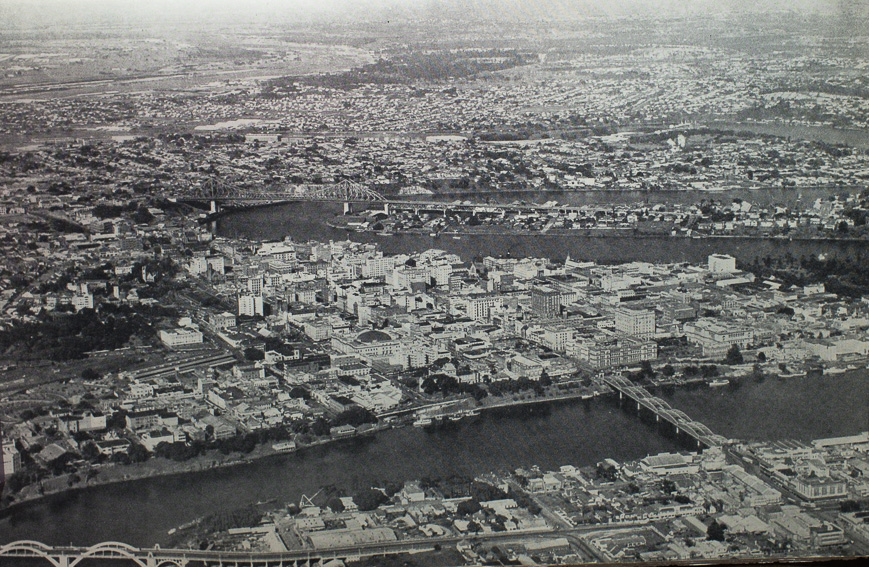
pixel 663 412
pixel 73 556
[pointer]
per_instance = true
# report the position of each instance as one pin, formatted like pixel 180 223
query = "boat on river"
pixel 285 447
pixel 792 375
pixel 719 383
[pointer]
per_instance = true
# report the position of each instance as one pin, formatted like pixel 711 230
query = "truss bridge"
pixel 663 412
pixel 214 190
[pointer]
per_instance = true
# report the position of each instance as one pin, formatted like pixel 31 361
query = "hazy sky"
pixel 23 14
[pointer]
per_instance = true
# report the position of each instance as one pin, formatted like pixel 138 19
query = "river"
pixel 307 221
pixel 141 512
pixel 851 137
pixel 578 433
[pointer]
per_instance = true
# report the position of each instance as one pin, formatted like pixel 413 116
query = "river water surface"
pixel 307 221
pixel 578 433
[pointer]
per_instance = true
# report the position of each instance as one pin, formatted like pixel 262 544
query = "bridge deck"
pixel 697 430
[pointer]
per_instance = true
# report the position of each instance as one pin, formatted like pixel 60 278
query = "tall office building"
pixel 635 322
pixel 250 305
pixel 545 301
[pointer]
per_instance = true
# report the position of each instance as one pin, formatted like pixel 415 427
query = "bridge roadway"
pixel 663 411
pixel 71 556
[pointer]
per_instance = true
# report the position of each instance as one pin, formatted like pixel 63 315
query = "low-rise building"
pixel 180 337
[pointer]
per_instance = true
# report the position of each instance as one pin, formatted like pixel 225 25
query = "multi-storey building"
pixel 480 308
pixel 716 337
pixel 545 301
pixel 180 337
pixel 635 322
pixel 250 305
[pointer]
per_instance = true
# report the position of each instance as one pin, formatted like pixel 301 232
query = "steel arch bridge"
pixel 217 190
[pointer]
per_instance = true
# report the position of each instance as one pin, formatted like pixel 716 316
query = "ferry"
pixel 834 371
pixel 285 446
pixel 422 422
pixel 718 383
pixel 792 375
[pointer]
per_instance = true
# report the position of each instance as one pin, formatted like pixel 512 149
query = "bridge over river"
pixel 347 192
pixel 60 556
pixel 662 411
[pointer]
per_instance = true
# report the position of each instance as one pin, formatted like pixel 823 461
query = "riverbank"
pixel 161 467
pixel 461 231
pixel 230 209
pixel 214 460
pixel 570 432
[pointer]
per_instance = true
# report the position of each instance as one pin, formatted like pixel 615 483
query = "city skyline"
pixel 433 283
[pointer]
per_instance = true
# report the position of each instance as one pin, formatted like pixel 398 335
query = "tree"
pixel 709 371
pixel 668 371
pixel 786 310
pixel 120 458
pixel 761 356
pixel 17 481
pixel 850 506
pixel 300 392
pixel 468 507
pixel 254 354
pixel 646 369
pixel 369 499
pixel 715 531
pixel 90 451
pixel 757 373
pixel 320 427
pixel 335 504
pixel 90 374
pixel 138 453
pixel 733 356
pixel 118 420
pixel 355 416
pixel 142 216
